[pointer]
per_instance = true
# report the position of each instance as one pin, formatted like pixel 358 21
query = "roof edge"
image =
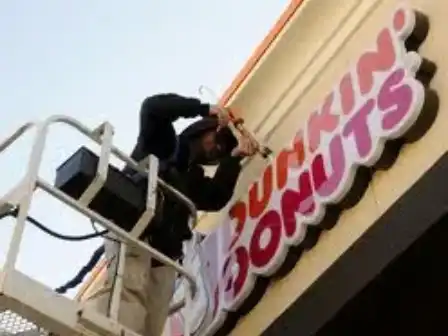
pixel 260 51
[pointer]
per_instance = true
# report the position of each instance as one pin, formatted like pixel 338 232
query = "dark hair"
pixel 224 137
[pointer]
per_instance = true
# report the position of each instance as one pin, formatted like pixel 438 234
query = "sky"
pixel 96 61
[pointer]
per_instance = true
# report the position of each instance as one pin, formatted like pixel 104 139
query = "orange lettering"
pixel 289 158
pixel 258 204
pixel 238 212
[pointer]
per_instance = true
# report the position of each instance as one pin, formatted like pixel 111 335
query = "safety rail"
pixel 57 313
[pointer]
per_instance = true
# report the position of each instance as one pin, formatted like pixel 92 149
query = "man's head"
pixel 208 145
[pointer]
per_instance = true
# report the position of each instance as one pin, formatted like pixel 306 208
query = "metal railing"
pixel 21 196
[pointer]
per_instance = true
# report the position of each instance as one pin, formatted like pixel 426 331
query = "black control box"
pixel 121 200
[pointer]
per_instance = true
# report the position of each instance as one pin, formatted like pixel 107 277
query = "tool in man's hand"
pixel 238 125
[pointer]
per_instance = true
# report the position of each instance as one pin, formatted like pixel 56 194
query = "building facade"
pixel 351 99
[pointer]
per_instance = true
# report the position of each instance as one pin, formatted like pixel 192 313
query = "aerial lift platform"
pixel 30 308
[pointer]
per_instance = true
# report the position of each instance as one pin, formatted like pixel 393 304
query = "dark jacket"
pixel 157 136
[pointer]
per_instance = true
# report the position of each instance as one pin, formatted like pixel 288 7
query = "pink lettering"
pixel 347 94
pixel 261 253
pixel 399 20
pixel 326 184
pixel 321 122
pixel 394 99
pixel 374 61
pixel 301 201
pixel 358 127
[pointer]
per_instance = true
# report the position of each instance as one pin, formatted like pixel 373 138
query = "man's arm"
pixel 213 193
pixel 157 114
pixel 170 107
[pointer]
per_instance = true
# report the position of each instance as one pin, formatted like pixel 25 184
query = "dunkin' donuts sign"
pixel 381 98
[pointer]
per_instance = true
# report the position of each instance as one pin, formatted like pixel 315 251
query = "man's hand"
pixel 246 147
pixel 221 113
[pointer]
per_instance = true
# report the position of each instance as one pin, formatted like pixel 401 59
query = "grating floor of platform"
pixel 12 323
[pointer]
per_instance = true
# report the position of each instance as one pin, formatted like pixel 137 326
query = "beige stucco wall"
pixel 321 42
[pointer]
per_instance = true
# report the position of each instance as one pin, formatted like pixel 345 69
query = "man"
pixel 148 286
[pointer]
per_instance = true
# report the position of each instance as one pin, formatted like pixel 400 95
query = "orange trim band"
pixel 259 52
